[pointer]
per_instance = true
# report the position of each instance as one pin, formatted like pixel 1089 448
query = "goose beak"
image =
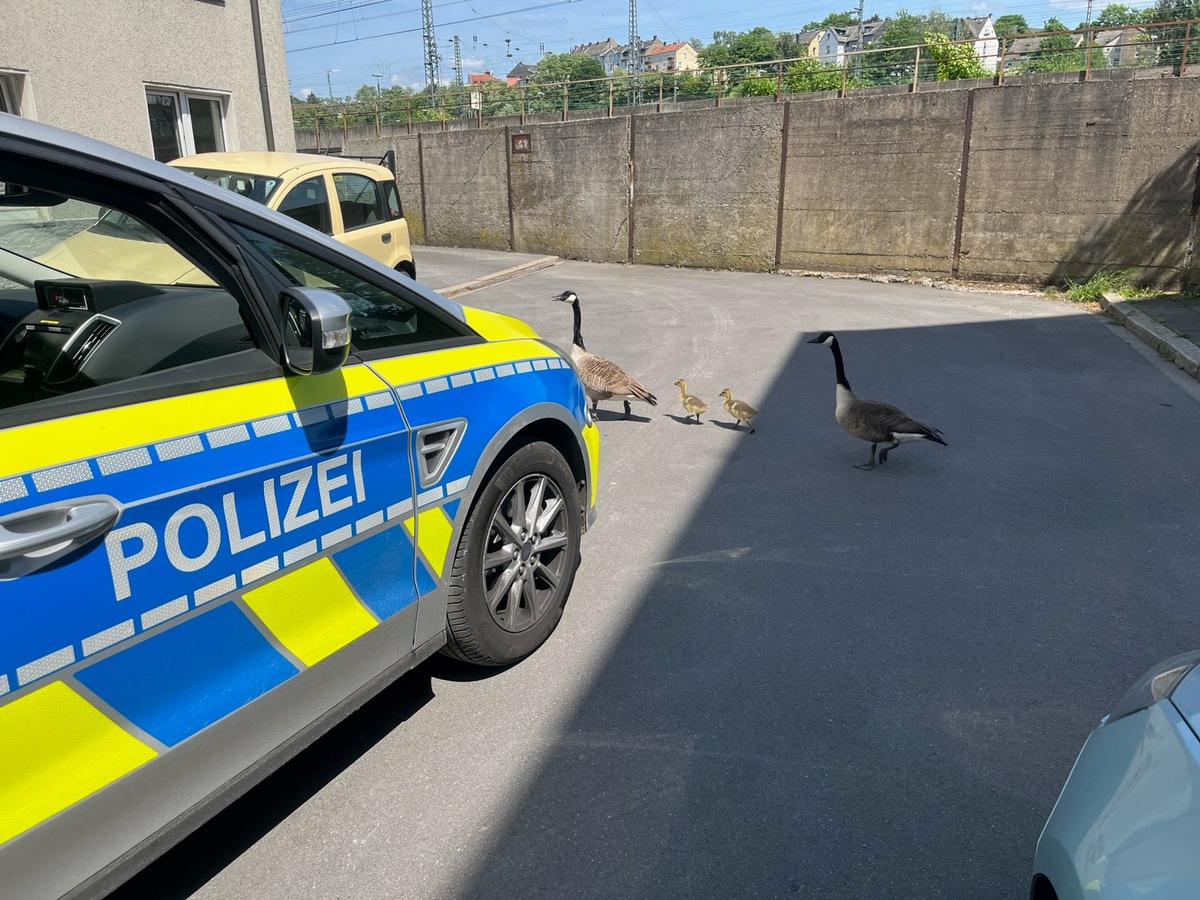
pixel 563 296
pixel 815 340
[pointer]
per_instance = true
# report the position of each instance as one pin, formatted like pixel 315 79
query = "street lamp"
pixel 329 80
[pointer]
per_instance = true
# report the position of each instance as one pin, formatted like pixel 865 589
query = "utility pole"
pixel 432 58
pixel 861 42
pixel 635 61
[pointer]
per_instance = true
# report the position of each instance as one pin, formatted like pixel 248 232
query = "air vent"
pixel 80 347
pixel 435 448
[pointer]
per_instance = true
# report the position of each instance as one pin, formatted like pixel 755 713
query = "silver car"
pixel 1127 823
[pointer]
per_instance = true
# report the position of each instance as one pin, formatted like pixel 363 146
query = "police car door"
pixel 186 534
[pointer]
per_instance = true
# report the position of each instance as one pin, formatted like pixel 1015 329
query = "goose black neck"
pixel 577 338
pixel 837 361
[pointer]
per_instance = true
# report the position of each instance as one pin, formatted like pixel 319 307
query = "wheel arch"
pixel 547 421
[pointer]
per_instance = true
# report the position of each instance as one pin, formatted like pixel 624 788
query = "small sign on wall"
pixel 522 143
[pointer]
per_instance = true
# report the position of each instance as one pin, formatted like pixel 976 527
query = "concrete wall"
pixel 707 196
pixel 872 184
pixel 465 177
pixel 1061 180
pixel 570 194
pixel 1065 180
pixel 85 66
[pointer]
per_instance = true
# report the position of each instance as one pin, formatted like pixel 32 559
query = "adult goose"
pixel 602 378
pixel 870 420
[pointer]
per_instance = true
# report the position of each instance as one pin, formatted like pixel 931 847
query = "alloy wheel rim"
pixel 525 553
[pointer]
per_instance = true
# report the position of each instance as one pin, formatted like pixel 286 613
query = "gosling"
pixel 739 409
pixel 694 405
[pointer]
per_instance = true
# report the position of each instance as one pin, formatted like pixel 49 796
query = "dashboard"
pixel 68 334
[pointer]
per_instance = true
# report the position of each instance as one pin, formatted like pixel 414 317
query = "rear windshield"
pixel 258 188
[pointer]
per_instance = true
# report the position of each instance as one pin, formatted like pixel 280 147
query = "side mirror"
pixel 316 330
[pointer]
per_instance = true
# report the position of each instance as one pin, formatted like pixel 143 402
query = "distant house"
pixel 836 41
pixel 677 57
pixel 1021 50
pixel 613 56
pixel 986 43
pixel 520 74
pixel 1120 46
pixel 808 43
pixel 595 50
pixel 476 78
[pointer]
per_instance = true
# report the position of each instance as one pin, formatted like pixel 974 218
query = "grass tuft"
pixel 1118 280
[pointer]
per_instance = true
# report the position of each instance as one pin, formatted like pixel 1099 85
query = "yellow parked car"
pixel 353 201
pixel 367 215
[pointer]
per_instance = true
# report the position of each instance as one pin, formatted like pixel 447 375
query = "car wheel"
pixel 515 561
pixel 407 268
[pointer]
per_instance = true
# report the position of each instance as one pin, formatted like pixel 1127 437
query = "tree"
pixel 1119 14
pixel 731 48
pixel 1170 37
pixel 954 61
pixel 833 20
pixel 1011 24
pixel 554 68
pixel 810 75
pixel 1056 52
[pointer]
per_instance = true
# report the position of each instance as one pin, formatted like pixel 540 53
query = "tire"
pixel 407 268
pixel 527 579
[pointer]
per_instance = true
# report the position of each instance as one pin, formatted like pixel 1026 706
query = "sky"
pixel 339 45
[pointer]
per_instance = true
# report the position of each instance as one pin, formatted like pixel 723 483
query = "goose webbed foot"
pixel 870 464
pixel 886 450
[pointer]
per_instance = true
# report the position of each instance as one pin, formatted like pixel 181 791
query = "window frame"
pixel 285 191
pixel 9 94
pixel 381 209
pixel 392 282
pixel 183 116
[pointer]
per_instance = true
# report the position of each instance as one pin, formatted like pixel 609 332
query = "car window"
pixel 391 200
pixel 308 203
pixel 91 295
pixel 379 318
pixel 359 200
pixel 258 188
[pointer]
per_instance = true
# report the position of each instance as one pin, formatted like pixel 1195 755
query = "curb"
pixel 503 275
pixel 1165 342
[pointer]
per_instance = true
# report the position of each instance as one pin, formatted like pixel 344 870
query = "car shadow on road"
pixel 839 683
pixel 184 869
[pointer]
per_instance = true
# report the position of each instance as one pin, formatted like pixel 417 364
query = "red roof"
pixel 668 48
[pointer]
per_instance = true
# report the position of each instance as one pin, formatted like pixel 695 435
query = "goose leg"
pixel 628 409
pixel 595 408
pixel 886 450
pixel 871 464
pixel 751 427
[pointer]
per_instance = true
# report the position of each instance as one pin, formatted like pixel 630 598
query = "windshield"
pixel 56 234
pixel 258 188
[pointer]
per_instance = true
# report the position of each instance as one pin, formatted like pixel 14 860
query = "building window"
pixel 10 94
pixel 182 124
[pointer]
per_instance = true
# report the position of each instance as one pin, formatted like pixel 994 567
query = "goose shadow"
pixel 613 415
pixel 730 426
pixel 683 420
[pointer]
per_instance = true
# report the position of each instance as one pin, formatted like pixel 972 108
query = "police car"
pixel 235 503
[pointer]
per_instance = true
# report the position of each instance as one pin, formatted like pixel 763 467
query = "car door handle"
pixel 36 537
pixel 387 238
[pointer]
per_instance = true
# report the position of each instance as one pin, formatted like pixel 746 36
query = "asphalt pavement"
pixel 778 675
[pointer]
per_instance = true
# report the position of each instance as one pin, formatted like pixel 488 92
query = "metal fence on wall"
pixel 1082 51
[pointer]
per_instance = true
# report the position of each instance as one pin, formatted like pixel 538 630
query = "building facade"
pixel 165 80
pixel 677 57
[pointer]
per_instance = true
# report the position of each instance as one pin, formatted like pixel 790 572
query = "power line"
pixel 412 30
